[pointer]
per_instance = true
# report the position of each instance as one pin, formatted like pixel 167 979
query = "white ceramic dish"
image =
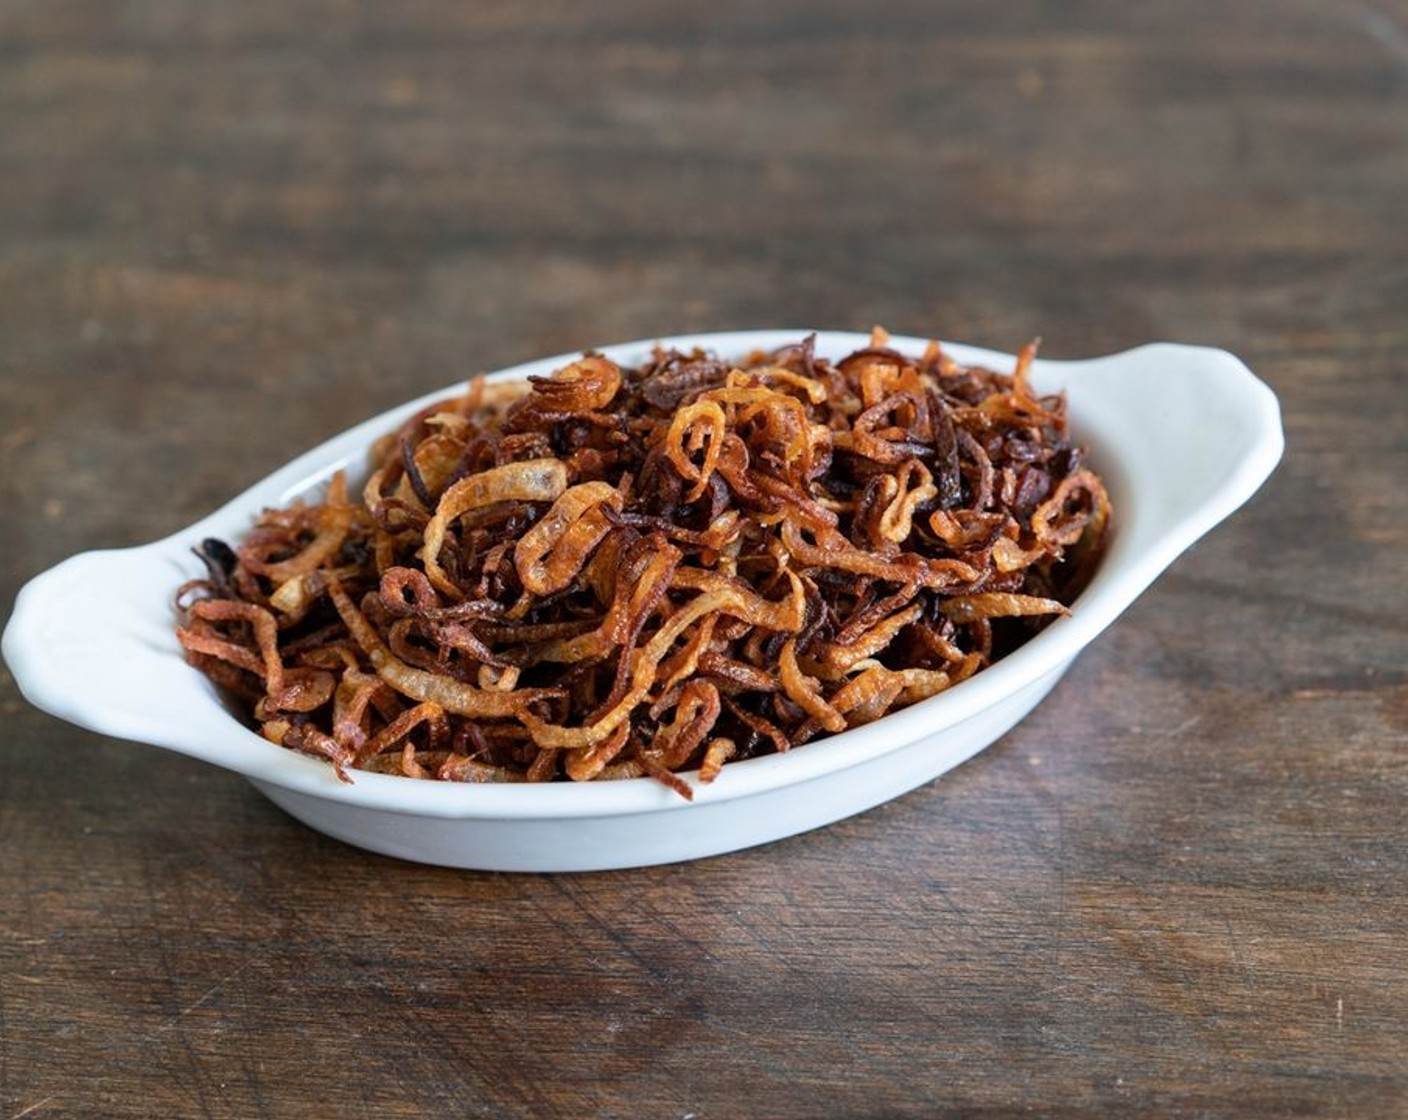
pixel 1182 435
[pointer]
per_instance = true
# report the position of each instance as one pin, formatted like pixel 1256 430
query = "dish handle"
pixel 92 641
pixel 1189 429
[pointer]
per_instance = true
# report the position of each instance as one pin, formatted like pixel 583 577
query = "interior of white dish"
pixel 126 675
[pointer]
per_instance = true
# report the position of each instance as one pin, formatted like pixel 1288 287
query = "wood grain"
pixel 1180 888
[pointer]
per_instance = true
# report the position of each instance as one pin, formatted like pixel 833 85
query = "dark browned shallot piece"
pixel 618 572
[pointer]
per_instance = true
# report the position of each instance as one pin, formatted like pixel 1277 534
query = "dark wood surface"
pixel 1180 888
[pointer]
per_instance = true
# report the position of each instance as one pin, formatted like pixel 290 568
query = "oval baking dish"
pixel 1182 436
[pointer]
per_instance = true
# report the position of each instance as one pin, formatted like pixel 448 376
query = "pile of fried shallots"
pixel 617 572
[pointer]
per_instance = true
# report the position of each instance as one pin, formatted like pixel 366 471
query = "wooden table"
pixel 1180 888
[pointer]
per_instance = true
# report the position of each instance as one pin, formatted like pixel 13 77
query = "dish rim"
pixel 224 741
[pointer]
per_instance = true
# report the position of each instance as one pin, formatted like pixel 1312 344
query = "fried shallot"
pixel 637 572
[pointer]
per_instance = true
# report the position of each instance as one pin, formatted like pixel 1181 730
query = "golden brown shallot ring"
pixel 699 426
pixel 536 480
pixel 550 554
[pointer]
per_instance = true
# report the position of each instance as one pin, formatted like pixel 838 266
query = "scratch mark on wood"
pixel 176 1019
pixel 35 1107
